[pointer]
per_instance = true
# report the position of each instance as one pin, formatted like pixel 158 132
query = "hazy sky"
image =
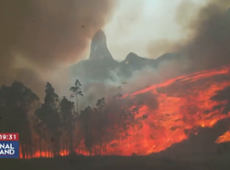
pixel 138 23
pixel 41 38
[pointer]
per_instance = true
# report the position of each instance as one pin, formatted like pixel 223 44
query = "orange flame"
pixel 181 104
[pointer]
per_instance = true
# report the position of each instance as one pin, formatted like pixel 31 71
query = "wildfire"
pixel 224 138
pixel 164 112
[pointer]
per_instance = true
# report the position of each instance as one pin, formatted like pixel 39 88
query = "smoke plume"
pixel 209 46
pixel 39 37
pixel 205 46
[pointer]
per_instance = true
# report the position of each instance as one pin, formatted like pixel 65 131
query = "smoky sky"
pixel 39 36
pixel 210 47
pixel 206 46
pixel 208 43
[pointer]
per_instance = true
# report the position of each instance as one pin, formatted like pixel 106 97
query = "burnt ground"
pixel 118 163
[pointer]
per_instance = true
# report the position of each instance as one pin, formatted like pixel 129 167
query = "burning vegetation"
pixel 141 123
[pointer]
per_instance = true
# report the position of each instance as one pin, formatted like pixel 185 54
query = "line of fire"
pixel 140 123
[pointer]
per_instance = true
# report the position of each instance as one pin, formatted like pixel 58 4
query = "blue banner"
pixel 9 149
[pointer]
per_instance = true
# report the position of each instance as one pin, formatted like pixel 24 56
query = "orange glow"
pixel 181 104
pixel 224 138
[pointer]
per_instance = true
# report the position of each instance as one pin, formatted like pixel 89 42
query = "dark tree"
pixel 102 121
pixel 15 104
pixel 76 92
pixel 39 128
pixel 49 116
pixel 66 111
pixel 76 89
pixel 100 103
pixel 85 117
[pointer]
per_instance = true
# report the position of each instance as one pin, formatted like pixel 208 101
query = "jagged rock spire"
pixel 99 48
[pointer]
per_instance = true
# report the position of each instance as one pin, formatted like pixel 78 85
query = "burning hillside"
pixel 144 122
pixel 167 113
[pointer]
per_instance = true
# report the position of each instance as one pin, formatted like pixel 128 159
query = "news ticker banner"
pixel 9 145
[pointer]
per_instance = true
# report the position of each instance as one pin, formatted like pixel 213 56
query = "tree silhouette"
pixel 67 118
pixel 15 104
pixel 102 122
pixel 50 118
pixel 76 89
pixel 54 121
pixel 85 117
pixel 39 128
pixel 100 103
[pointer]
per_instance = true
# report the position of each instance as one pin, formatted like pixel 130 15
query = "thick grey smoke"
pixel 207 44
pixel 39 37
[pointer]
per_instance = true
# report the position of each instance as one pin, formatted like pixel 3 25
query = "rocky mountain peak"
pixel 99 48
pixel 99 36
pixel 131 56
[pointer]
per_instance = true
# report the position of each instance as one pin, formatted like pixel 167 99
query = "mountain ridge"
pixel 101 62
